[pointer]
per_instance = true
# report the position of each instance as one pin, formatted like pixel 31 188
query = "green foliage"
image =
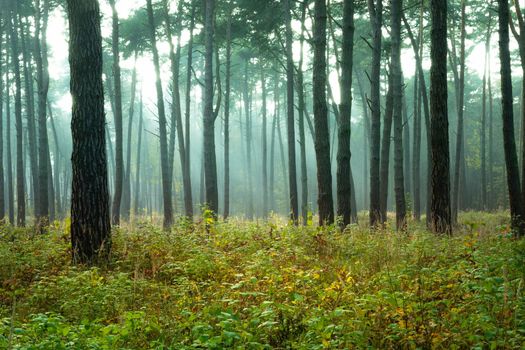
pixel 264 286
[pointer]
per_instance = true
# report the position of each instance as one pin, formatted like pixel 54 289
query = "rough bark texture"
pixel 210 161
pixel 511 157
pixel 440 176
pixel 376 15
pixel 90 221
pixel 322 135
pixel 397 81
pixel 164 157
pixel 344 186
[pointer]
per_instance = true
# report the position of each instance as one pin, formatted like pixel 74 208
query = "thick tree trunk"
pixel 210 161
pixel 376 18
pixel 344 186
pixel 397 82
pixel 290 120
pixel 164 157
pixel 440 176
pixel 90 219
pixel 511 158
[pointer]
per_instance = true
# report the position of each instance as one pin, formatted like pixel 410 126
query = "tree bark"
pixel 126 194
pixel 511 158
pixel 385 149
pixel 90 219
pixel 264 145
pixel 138 165
pixel 164 157
pixel 10 194
pixel 227 96
pixel 376 18
pixel 301 110
pixel 440 176
pixel 290 120
pixel 2 183
pixel 344 186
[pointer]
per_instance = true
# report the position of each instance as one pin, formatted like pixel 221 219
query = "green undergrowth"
pixel 267 286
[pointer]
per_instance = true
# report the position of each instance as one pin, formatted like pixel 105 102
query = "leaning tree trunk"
pixel 511 158
pixel 440 176
pixel 165 168
pixel 397 83
pixel 344 186
pixel 290 120
pixel 90 219
pixel 376 17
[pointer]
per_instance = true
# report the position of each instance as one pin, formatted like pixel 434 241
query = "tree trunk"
pixel 376 18
pixel 43 87
pixel 188 100
pixel 459 134
pixel 138 167
pixel 290 120
pixel 511 158
pixel 210 161
pixel 20 187
pixel 385 150
pixel 344 186
pixel 126 194
pixel 227 97
pixel 483 133
pixel 440 176
pixel 264 145
pixel 301 110
pixel 56 162
pixel 10 194
pixel 248 140
pixel 491 138
pixel 397 95
pixel 90 219
pixel 2 184
pixel 164 157
pixel 416 151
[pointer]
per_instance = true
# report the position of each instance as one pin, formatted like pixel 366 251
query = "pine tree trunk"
pixel 301 110
pixel 376 18
pixel 227 97
pixel 90 219
pixel 511 157
pixel 483 133
pixel 10 194
pixel 164 157
pixel 2 183
pixel 136 205
pixel 57 156
pixel 290 120
pixel 440 176
pixel 397 83
pixel 264 136
pixel 385 150
pixel 126 194
pixel 344 185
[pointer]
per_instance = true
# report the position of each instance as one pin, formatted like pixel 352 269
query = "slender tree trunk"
pixel 459 134
pixel 20 179
pixel 188 99
pixel 56 162
pixel 210 161
pixel 126 194
pixel 290 120
pixel 10 194
pixel 165 168
pixel 2 184
pixel 385 150
pixel 90 219
pixel 416 151
pixel 227 97
pixel 491 137
pixel 301 110
pixel 43 87
pixel 344 186
pixel 440 176
pixel 248 140
pixel 264 136
pixel 483 133
pixel 397 87
pixel 136 206
pixel 376 18
pixel 511 158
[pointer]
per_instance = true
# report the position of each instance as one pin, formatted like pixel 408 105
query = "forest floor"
pixel 267 285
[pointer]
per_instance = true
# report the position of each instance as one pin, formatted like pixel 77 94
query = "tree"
pixel 164 159
pixel 290 120
pixel 322 136
pixel 210 161
pixel 376 18
pixel 119 153
pixel 227 96
pixel 2 190
pixel 397 82
pixel 344 187
pixel 90 219
pixel 511 157
pixel 440 176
